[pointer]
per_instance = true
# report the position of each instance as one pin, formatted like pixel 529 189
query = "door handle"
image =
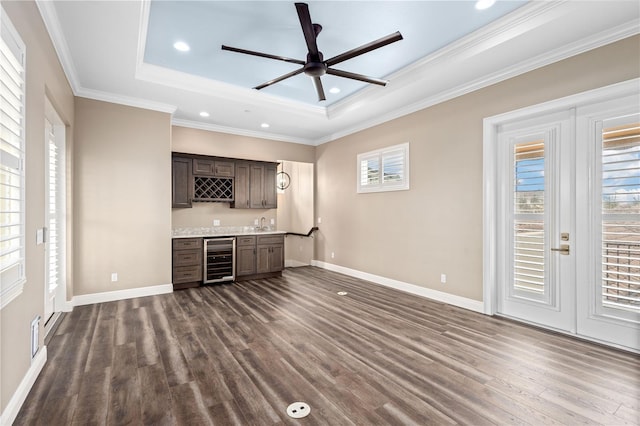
pixel 564 249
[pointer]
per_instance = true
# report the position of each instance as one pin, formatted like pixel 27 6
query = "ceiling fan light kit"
pixel 315 66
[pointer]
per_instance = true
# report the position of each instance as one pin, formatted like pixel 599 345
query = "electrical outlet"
pixel 319 220
pixel 256 222
pixel 114 277
pixel 273 221
pixel 443 278
pixel 216 222
pixel 333 255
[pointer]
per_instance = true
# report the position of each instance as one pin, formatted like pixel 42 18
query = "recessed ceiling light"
pixel 264 125
pixel 181 46
pixel 334 90
pixel 484 4
pixel 204 114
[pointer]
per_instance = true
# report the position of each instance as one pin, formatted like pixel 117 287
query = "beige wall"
pixel 436 226
pixel 205 142
pixel 44 78
pixel 122 197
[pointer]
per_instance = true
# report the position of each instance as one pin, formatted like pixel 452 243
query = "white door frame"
pixel 490 171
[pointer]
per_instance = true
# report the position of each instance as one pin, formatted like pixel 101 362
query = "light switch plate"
pixel 40 236
pixel 216 222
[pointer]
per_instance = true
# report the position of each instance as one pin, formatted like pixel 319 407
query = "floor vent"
pixel 298 410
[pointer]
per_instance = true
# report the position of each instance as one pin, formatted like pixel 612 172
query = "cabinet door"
pixel 181 185
pixel 242 186
pixel 256 186
pixel 245 260
pixel 269 194
pixel 276 258
pixel 262 259
pixel 224 168
pixel 203 167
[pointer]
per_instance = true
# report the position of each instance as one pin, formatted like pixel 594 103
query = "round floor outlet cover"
pixel 298 410
pixel 342 293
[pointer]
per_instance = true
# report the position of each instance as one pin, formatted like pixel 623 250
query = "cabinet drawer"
pixel 185 274
pixel 187 243
pixel 187 257
pixel 249 240
pixel 270 239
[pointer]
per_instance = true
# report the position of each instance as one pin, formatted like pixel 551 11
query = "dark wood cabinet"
pixel 187 264
pixel 245 256
pixel 255 186
pixel 215 168
pixel 269 253
pixel 242 185
pixel 182 182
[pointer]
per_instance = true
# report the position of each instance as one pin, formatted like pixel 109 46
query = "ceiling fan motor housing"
pixel 315 67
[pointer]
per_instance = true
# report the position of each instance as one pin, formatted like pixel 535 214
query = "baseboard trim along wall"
pixel 130 293
pixel 13 407
pixel 440 296
pixel 291 263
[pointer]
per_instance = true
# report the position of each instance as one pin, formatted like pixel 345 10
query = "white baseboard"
pixel 291 263
pixel 20 395
pixel 110 296
pixel 440 296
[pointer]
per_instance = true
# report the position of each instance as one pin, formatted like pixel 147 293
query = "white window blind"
pixel 620 189
pixel 528 222
pixel 12 92
pixel 385 169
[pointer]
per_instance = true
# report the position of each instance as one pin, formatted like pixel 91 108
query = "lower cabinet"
pixel 270 253
pixel 187 262
pixel 259 256
pixel 245 256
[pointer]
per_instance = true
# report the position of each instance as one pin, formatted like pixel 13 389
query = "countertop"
pixel 221 231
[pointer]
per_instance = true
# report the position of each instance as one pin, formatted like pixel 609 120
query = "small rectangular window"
pixel 384 169
pixel 12 195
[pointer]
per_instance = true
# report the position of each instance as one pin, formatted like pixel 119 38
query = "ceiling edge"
pixel 125 100
pixel 52 24
pixel 240 132
pixel 609 36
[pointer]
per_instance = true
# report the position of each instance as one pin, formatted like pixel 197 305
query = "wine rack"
pixel 212 189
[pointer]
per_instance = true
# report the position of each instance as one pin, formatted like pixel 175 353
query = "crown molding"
pixel 52 24
pixel 115 98
pixel 239 132
pixel 623 31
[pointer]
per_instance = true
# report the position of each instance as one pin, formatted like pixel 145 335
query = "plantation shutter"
pixel 12 90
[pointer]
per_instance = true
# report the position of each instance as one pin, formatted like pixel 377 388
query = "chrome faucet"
pixel 262 219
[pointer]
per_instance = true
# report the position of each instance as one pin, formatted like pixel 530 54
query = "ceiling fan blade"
pixel 391 38
pixel 279 79
pixel 355 76
pixel 318 84
pixel 308 28
pixel 264 55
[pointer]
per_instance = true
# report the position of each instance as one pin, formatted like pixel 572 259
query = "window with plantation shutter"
pixel 12 90
pixel 385 169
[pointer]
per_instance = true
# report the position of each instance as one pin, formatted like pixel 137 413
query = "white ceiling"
pixel 121 51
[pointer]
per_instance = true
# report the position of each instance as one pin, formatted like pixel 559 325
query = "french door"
pixel 537 231
pixel 568 221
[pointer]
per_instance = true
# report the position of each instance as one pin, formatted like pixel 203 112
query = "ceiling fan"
pixel 315 66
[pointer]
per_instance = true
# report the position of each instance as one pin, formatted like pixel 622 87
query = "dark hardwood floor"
pixel 239 354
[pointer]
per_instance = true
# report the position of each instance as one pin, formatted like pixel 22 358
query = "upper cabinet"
pixel 244 184
pixel 215 168
pixel 255 186
pixel 181 182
